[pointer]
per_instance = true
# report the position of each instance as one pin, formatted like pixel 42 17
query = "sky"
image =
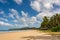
pixel 26 13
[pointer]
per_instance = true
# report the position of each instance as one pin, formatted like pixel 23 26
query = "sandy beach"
pixel 26 35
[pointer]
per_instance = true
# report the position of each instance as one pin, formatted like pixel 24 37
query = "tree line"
pixel 52 22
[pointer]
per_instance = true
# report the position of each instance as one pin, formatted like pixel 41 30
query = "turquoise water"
pixel 10 31
pixel 13 30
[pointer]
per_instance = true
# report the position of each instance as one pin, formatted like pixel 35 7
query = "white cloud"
pixel 57 10
pixel 48 14
pixel 23 19
pixel 3 1
pixel 26 20
pixel 36 5
pixel 13 13
pixel 42 5
pixel 57 2
pixel 1 12
pixel 18 1
pixel 15 21
pixel 24 14
pixel 45 8
pixel 30 21
pixel 48 5
pixel 33 20
pixel 25 24
pixel 4 19
pixel 5 24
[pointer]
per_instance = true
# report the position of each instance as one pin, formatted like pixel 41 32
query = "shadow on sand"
pixel 53 37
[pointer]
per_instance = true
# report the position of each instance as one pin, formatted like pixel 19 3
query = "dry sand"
pixel 26 35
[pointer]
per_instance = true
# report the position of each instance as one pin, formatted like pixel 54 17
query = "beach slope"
pixel 25 35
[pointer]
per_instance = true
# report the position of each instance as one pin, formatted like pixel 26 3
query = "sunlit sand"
pixel 24 35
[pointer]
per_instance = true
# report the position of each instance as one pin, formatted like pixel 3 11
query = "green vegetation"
pixel 56 29
pixel 50 32
pixel 25 28
pixel 52 23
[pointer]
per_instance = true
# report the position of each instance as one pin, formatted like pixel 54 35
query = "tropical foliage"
pixel 51 23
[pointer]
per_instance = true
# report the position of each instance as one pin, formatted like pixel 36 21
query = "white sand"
pixel 20 35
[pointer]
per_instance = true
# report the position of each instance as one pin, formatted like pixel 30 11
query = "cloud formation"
pixel 13 13
pixel 3 1
pixel 18 1
pixel 36 5
pixel 5 24
pixel 1 12
pixel 22 18
pixel 44 7
pixel 46 4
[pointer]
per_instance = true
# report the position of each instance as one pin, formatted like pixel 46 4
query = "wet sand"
pixel 27 35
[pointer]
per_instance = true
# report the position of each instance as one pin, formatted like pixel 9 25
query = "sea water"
pixel 4 31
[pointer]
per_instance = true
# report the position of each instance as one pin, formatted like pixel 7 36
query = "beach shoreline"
pixel 24 35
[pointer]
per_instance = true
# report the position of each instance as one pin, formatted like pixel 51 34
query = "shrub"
pixel 55 29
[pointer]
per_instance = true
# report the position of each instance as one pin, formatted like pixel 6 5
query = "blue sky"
pixel 26 13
